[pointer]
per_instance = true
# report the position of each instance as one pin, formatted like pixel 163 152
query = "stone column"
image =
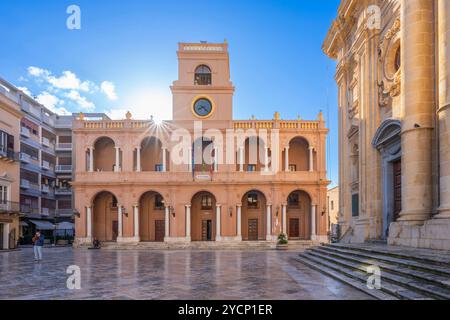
pixel 138 159
pixel 284 217
pixel 117 168
pixel 417 47
pixel 269 222
pixel 216 159
pixel 166 222
pixel 91 159
pixel 241 159
pixel 218 222
pixel 239 220
pixel 89 223
pixel 120 222
pixel 444 107
pixel 188 222
pixel 136 221
pixel 6 236
pixel 286 159
pixel 164 160
pixel 311 159
pixel 313 221
pixel 190 165
pixel 266 159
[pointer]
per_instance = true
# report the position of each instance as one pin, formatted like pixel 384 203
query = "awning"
pixel 43 225
pixel 65 226
pixel 23 224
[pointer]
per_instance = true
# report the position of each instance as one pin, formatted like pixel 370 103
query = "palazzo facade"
pixel 393 77
pixel 133 182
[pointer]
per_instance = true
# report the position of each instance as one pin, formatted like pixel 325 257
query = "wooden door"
pixel 397 189
pixel 115 230
pixel 159 230
pixel 294 228
pixel 253 229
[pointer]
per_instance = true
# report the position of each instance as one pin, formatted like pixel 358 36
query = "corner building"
pixel 130 185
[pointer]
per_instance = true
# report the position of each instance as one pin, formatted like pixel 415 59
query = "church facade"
pixel 201 176
pixel 393 77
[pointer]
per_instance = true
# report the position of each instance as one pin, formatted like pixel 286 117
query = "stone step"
pixel 425 256
pixel 421 287
pixel 414 270
pixel 388 291
pixel 377 294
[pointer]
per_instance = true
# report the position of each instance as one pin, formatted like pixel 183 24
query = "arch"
pixel 203 75
pixel 298 215
pixel 151 154
pixel 104 154
pixel 151 216
pixel 203 216
pixel 388 131
pixel 254 154
pixel 299 154
pixel 253 216
pixel 105 216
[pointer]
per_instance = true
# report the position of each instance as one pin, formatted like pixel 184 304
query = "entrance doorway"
pixel 207 230
pixel 115 230
pixel 294 228
pixel 159 230
pixel 397 167
pixel 253 229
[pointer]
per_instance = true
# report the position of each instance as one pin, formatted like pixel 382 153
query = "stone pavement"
pixel 166 275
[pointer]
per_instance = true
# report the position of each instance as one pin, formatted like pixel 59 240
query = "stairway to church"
pixel 406 273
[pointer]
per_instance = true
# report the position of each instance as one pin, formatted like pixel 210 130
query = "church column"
pixel 284 217
pixel 216 159
pixel 239 220
pixel 417 39
pixel 188 222
pixel 138 159
pixel 89 223
pixel 266 159
pixel 269 222
pixel 6 236
pixel 190 165
pixel 136 221
pixel 218 222
pixel 313 221
pixel 91 159
pixel 166 222
pixel 286 159
pixel 120 222
pixel 164 159
pixel 117 167
pixel 444 107
pixel 311 159
pixel 241 159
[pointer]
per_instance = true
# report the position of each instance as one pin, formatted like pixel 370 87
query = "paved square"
pixel 166 275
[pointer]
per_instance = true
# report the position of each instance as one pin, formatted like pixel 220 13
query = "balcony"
pixel 64 212
pixel 28 209
pixel 8 155
pixel 63 169
pixel 45 212
pixel 25 132
pixel 9 207
pixel 24 184
pixel 64 147
pixel 48 120
pixel 45 142
pixel 25 157
pixel 63 191
pixel 45 188
pixel 45 165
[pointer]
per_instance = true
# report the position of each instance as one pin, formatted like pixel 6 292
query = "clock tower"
pixel 203 90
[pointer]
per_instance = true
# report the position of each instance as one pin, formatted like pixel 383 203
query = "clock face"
pixel 203 107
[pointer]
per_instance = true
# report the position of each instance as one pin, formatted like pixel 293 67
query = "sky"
pixel 124 56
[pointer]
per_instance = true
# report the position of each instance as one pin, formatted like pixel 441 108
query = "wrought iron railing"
pixel 9 207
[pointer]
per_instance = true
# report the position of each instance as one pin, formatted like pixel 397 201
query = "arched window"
pixel 202 76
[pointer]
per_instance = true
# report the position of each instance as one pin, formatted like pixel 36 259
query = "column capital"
pixel 188 205
pixel 239 205
pixel 138 148
pixel 218 205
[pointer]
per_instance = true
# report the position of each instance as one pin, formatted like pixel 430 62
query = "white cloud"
pixel 25 90
pixel 69 81
pixel 80 100
pixel 109 89
pixel 52 102
pixel 38 72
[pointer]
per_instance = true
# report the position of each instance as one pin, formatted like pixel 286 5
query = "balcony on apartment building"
pixel 63 169
pixel 63 191
pixel 8 155
pixel 25 132
pixel 63 147
pixel 9 207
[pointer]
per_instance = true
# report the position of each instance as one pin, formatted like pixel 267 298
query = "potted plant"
pixel 282 242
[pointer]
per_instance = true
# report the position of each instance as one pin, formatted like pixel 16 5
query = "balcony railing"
pixel 25 157
pixel 45 188
pixel 64 212
pixel 28 209
pixel 9 155
pixel 46 142
pixel 63 191
pixel 64 147
pixel 24 131
pixel 45 165
pixel 25 184
pixel 9 207
pixel 63 169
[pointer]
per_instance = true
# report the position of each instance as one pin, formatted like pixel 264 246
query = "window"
pixel 251 168
pixel 355 205
pixel 206 202
pixel 398 59
pixel 294 200
pixel 3 194
pixel 202 76
pixel 3 141
pixel 252 200
pixel 292 168
pixel 332 205
pixel 159 202
pixel 114 202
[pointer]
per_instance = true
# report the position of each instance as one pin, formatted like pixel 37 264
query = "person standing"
pixel 38 243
